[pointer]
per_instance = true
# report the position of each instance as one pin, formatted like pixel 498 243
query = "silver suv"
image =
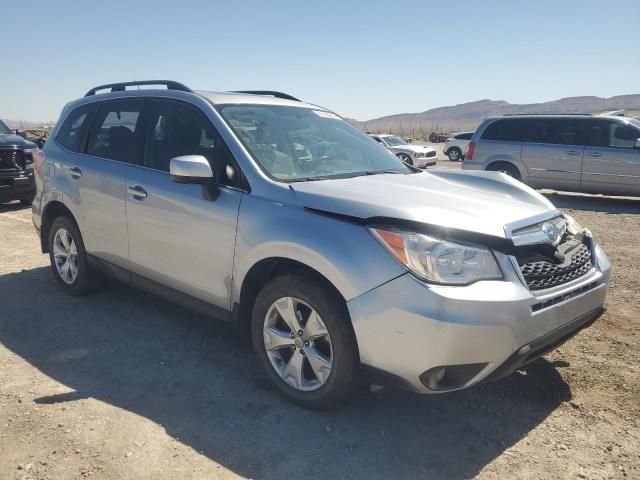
pixel 342 264
pixel 580 153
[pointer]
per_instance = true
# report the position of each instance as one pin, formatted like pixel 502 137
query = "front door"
pixel 177 237
pixel 611 163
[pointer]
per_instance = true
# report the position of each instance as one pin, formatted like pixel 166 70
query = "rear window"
pixel 506 130
pixel 464 136
pixel 71 132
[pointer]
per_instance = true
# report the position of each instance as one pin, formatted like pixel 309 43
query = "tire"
pixel 26 201
pixel 86 279
pixel 306 389
pixel 507 168
pixel 454 154
pixel 405 158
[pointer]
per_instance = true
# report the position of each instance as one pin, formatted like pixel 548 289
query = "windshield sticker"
pixel 330 115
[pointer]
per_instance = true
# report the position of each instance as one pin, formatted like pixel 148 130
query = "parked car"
pixel 416 155
pixel 341 263
pixel 456 145
pixel 16 167
pixel 438 137
pixel 580 153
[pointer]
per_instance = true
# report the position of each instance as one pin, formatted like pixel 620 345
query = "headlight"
pixel 573 227
pixel 439 261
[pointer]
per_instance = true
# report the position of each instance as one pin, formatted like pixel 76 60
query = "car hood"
pixel 479 202
pixel 15 140
pixel 412 148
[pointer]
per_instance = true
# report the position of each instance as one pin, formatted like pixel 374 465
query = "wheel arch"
pixel 261 273
pixel 52 210
pixel 494 163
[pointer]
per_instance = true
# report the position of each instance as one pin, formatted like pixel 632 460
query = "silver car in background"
pixel 340 263
pixel 579 153
pixel 417 155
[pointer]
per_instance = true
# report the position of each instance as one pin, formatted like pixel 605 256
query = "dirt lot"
pixel 125 385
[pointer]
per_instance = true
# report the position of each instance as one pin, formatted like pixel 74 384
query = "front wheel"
pixel 405 158
pixel 302 336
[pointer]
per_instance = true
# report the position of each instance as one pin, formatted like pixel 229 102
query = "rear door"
pixel 97 178
pixel 177 237
pixel 552 152
pixel 611 163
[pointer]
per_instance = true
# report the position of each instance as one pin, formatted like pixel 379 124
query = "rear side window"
pixel 72 131
pixel 464 136
pixel 554 131
pixel 116 132
pixel 506 130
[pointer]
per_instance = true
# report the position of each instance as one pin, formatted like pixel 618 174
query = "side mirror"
pixel 637 144
pixel 190 169
pixel 194 169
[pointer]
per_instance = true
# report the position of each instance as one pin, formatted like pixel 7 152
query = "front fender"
pixel 343 252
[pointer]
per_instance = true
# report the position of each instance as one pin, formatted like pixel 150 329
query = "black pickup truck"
pixel 16 167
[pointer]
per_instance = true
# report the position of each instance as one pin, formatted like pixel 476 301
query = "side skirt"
pixel 159 290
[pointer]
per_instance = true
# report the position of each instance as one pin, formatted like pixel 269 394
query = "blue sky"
pixel 361 59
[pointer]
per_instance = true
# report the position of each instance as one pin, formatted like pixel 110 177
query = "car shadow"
pixel 594 203
pixel 12 207
pixel 188 374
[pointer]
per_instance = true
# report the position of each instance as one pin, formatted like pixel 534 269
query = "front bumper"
pixel 17 186
pixel 409 330
pixel 424 162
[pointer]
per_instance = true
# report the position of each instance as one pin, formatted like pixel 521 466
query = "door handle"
pixel 594 154
pixel 573 153
pixel 137 192
pixel 74 172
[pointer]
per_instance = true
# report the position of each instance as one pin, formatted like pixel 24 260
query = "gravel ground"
pixel 121 384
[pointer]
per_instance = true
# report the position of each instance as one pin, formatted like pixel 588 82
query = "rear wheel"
pixel 303 339
pixel 68 257
pixel 504 167
pixel 454 154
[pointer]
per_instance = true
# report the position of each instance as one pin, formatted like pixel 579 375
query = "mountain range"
pixel 467 116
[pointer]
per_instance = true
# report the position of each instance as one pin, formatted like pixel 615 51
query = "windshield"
pixel 4 130
pixel 297 143
pixel 394 141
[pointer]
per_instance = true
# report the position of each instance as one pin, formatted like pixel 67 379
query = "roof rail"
pixel 525 114
pixel 269 93
pixel 121 87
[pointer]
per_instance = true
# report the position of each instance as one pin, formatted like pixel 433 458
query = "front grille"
pixel 431 154
pixel 12 159
pixel 543 269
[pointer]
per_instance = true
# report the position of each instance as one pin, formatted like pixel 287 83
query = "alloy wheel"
pixel 298 344
pixel 65 254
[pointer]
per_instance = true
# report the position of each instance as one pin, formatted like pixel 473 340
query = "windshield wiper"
pixel 377 172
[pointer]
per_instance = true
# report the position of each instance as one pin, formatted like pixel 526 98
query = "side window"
pixel 608 134
pixel 464 136
pixel 116 132
pixel 554 131
pixel 71 132
pixel 177 129
pixel 622 136
pixel 506 130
